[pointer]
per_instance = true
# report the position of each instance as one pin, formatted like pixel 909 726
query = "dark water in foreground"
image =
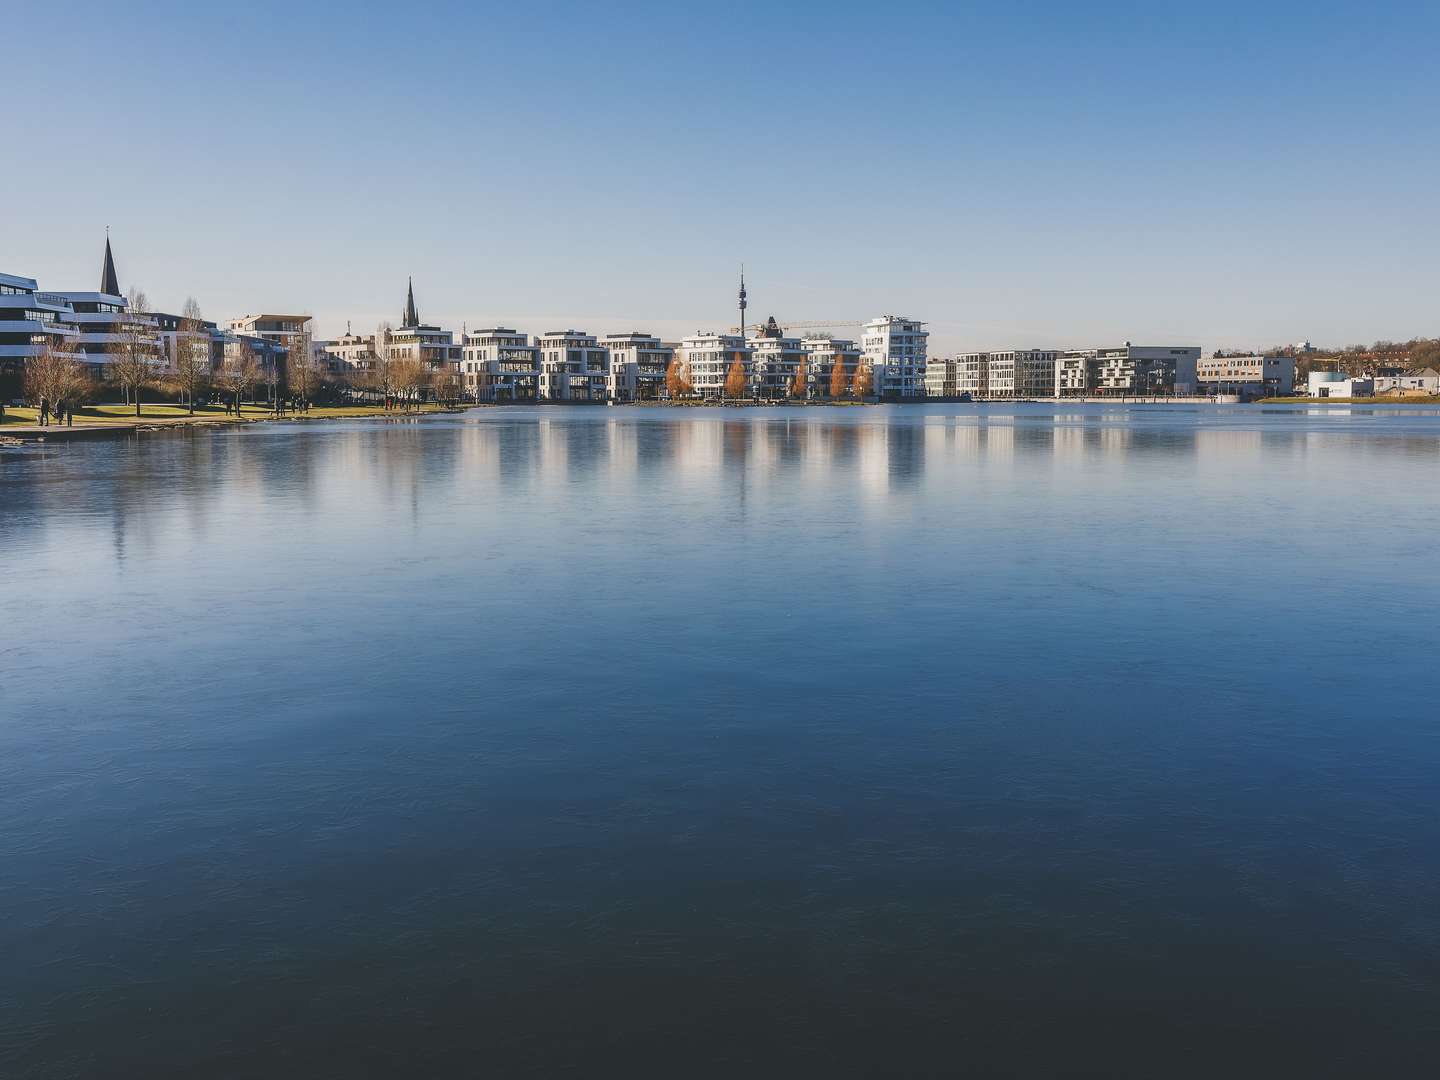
pixel 884 742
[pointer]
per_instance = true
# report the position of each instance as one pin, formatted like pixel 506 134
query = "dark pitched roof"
pixel 411 316
pixel 109 283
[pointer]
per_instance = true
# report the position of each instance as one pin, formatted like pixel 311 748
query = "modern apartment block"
pixel 284 330
pixel 972 374
pixel 1247 377
pixel 821 356
pixel 638 366
pixel 1026 374
pixel 573 366
pixel 28 324
pixel 940 377
pixel 1127 369
pixel 1022 373
pixel 710 356
pixel 894 347
pixel 774 361
pixel 500 364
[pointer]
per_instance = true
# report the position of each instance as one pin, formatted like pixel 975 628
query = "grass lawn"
pixel 119 413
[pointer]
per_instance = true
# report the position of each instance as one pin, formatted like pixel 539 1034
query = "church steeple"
pixel 109 283
pixel 411 316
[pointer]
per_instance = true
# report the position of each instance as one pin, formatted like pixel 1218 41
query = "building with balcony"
pixel 573 366
pixel 1246 377
pixel 940 377
pixel 500 365
pixel 638 366
pixel 709 357
pixel 894 347
pixel 28 325
pixel 821 356
pixel 1024 374
pixel 1127 370
pixel 774 361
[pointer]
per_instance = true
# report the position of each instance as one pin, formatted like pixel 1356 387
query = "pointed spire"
pixel 411 316
pixel 109 283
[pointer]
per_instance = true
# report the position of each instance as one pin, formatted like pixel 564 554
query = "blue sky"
pixel 1015 173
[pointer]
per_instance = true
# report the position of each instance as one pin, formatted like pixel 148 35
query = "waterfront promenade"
pixel 117 419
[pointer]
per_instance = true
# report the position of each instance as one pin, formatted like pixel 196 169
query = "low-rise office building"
pixel 638 366
pixel 1246 377
pixel 895 348
pixel 1336 384
pixel 1127 370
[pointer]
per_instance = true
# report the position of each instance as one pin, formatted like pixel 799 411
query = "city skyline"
pixel 1046 178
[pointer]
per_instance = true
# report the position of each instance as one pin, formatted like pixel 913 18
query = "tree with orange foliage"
pixel 864 381
pixel 677 379
pixel 735 379
pixel 839 377
pixel 801 382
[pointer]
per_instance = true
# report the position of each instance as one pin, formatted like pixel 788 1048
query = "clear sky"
pixel 1017 174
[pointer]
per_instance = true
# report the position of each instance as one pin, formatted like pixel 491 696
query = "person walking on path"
pixel 69 414
pixel 44 412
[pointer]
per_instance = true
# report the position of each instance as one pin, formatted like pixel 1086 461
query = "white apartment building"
pixel 1023 373
pixel 27 325
pixel 103 321
pixel 500 364
pixel 284 330
pixel 710 356
pixel 894 347
pixel 940 377
pixel 774 361
pixel 433 347
pixel 1247 377
pixel 1127 369
pixel 638 366
pixel 573 366
pixel 352 352
pixel 972 374
pixel 821 356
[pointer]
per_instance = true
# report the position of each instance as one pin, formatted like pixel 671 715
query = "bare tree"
pixel 54 375
pixel 192 354
pixel 411 377
pixel 238 374
pixel 303 374
pixel 133 358
pixel 382 371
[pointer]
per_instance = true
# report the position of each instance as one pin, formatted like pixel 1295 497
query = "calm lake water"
pixel 1001 742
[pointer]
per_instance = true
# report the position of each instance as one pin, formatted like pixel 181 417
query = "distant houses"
pixel 768 362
